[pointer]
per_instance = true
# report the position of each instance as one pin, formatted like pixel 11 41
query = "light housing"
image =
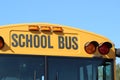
pixel 2 43
pixel 33 28
pixel 57 29
pixel 104 48
pixel 117 51
pixel 90 47
pixel 46 28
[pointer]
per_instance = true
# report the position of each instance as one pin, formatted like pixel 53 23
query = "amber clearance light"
pixel 46 28
pixel 33 28
pixel 57 29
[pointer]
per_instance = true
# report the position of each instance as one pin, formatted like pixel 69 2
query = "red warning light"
pixel 104 48
pixel 1 42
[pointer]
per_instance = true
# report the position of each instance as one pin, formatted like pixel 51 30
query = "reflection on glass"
pixel 108 70
pixel 100 73
pixel 42 77
pixel 105 71
pixel 81 73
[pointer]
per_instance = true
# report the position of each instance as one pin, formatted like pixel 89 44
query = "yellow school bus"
pixel 42 51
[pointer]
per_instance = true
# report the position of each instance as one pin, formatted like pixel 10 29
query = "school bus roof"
pixel 49 39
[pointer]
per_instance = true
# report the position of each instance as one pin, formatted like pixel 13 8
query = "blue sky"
pixel 98 16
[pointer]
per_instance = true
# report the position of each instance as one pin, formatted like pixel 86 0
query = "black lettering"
pixel 36 41
pixel 28 41
pixel 68 42
pixel 43 41
pixel 49 42
pixel 60 42
pixel 21 37
pixel 75 45
pixel 15 42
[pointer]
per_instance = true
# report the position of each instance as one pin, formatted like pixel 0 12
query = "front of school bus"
pixel 43 51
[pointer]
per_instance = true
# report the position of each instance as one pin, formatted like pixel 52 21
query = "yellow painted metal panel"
pixel 70 42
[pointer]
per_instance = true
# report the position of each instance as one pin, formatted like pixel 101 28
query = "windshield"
pixel 21 67
pixel 17 67
pixel 60 68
